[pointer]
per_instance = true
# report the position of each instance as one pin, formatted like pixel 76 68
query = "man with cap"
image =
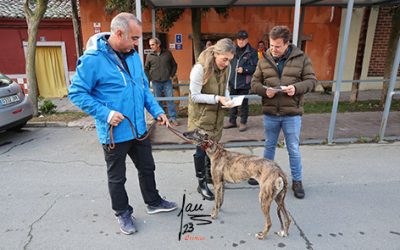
pixel 244 63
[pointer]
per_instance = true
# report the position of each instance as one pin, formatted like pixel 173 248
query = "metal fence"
pixel 392 82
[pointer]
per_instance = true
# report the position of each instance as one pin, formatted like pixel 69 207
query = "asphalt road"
pixel 54 196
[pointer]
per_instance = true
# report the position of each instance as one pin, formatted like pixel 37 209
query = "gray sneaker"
pixel 164 206
pixel 126 223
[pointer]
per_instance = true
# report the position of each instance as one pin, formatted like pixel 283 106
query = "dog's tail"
pixel 278 186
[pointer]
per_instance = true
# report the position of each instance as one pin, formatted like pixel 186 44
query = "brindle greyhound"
pixel 233 167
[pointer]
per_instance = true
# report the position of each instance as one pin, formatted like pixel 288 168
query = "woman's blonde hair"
pixel 207 59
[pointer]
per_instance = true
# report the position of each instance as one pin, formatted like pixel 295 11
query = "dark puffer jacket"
pixel 297 70
pixel 248 61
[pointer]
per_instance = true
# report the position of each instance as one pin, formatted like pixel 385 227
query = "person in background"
pixel 160 67
pixel 208 93
pixel 244 64
pixel 282 78
pixel 260 49
pixel 111 86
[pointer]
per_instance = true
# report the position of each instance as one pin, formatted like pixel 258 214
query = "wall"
pixel 351 49
pixel 375 51
pixel 373 19
pixel 379 51
pixel 12 60
pixel 321 25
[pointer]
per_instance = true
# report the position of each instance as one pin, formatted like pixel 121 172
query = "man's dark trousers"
pixel 141 154
pixel 244 108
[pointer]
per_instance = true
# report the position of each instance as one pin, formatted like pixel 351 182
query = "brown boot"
pixel 252 181
pixel 230 125
pixel 298 189
pixel 242 127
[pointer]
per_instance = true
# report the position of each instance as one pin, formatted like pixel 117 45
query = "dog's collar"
pixel 206 144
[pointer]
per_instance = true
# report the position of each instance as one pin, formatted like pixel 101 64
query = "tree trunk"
pixel 77 29
pixel 33 19
pixel 196 32
pixel 360 55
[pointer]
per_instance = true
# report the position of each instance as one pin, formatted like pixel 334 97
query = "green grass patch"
pixel 321 107
pixel 60 116
pixel 326 107
pixel 360 106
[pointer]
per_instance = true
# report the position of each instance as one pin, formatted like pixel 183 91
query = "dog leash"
pixel 112 144
pixel 179 134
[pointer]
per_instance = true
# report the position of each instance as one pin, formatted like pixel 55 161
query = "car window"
pixel 4 80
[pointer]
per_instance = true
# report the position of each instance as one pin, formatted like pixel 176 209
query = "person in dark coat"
pixel 244 64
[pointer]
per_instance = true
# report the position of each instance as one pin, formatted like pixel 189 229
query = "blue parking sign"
pixel 178 38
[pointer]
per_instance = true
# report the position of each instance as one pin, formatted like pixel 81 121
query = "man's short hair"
pixel 156 40
pixel 121 22
pixel 280 31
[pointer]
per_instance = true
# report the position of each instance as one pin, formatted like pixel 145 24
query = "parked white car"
pixel 15 108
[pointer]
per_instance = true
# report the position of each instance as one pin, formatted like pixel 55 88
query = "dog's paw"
pixel 281 233
pixel 213 215
pixel 260 235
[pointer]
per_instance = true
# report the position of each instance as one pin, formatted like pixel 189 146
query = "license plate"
pixel 9 99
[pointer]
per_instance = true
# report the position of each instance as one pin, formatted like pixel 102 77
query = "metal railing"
pixel 331 128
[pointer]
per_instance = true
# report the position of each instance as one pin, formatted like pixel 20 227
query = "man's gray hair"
pixel 121 22
pixel 156 40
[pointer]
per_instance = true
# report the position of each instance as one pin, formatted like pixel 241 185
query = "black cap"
pixel 242 34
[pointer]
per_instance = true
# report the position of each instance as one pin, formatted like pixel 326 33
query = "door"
pixel 50 72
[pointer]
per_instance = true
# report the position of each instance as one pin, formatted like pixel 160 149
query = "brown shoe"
pixel 298 189
pixel 242 127
pixel 230 125
pixel 173 123
pixel 252 181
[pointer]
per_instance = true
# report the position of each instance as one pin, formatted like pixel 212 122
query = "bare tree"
pixel 33 18
pixel 77 28
pixel 392 45
pixel 196 31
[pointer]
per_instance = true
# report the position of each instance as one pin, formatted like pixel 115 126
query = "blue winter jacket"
pixel 101 84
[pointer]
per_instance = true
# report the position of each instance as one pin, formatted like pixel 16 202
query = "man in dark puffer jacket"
pixel 282 78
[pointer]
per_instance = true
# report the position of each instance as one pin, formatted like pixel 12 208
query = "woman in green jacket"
pixel 208 93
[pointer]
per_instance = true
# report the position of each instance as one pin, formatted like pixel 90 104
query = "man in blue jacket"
pixel 244 63
pixel 111 86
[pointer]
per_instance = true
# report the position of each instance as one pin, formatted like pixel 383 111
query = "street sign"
pixel 178 46
pixel 178 38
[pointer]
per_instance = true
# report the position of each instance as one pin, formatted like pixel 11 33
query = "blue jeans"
pixel 291 126
pixel 165 87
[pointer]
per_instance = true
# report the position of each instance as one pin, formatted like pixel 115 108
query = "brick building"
pixel 379 48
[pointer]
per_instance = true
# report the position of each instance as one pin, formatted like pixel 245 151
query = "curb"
pixel 232 144
pixel 48 124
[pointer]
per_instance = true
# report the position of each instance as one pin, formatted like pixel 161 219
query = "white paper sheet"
pixel 236 101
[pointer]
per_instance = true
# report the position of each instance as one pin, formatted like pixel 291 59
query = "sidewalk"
pixel 350 127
